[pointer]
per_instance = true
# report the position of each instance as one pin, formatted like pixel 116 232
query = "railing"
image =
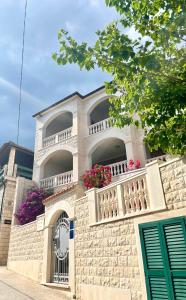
pixel 100 126
pixel 161 158
pixel 57 180
pixel 107 204
pixel 127 198
pixel 119 168
pixel 3 172
pixel 58 137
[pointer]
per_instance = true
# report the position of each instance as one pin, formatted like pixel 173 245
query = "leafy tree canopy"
pixel 148 71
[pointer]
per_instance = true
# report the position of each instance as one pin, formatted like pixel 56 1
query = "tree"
pixel 148 71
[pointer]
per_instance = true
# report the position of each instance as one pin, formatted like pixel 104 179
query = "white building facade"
pixel 76 133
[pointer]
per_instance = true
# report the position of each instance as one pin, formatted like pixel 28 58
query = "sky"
pixel 44 82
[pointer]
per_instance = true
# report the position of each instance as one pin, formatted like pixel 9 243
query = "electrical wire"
pixel 21 73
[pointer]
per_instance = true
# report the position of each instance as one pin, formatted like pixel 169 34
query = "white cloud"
pixel 95 3
pixel 25 95
pixel 71 27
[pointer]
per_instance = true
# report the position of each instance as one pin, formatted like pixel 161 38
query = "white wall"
pixel 81 144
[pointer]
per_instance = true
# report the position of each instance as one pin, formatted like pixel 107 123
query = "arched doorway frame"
pixel 50 219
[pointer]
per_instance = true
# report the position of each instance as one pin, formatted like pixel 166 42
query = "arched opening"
pixel 60 250
pixel 100 112
pixel 110 151
pixel 60 123
pixel 58 169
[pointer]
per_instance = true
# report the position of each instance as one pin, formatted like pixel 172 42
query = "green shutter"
pixel 164 256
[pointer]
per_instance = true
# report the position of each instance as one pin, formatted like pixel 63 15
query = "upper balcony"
pixel 58 130
pixel 99 118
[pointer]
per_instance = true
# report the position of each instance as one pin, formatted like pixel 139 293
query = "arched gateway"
pixel 60 259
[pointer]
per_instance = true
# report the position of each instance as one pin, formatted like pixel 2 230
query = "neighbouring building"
pixel 124 241
pixel 14 161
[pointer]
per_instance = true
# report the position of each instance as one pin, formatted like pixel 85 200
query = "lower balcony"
pixel 57 170
pixel 57 180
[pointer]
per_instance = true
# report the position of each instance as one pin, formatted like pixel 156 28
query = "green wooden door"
pixel 164 256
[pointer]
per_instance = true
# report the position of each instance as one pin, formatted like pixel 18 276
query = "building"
pixel 14 161
pixel 108 243
pixel 76 133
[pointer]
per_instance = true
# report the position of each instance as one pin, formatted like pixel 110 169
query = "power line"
pixel 21 74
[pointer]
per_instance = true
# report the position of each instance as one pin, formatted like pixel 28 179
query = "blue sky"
pixel 44 82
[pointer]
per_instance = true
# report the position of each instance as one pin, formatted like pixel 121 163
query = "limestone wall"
pixel 26 250
pixel 106 255
pixel 109 255
pixel 6 216
pixel 173 175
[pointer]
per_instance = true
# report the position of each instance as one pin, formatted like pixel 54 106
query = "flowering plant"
pixel 99 176
pixel 32 206
pixel 133 165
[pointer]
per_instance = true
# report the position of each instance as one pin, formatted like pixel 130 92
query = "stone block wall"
pixel 6 215
pixel 26 250
pixel 173 175
pixel 106 255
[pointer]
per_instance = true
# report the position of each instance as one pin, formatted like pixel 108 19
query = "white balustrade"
pixel 100 126
pixel 118 168
pixel 107 204
pixel 126 198
pixel 54 181
pixel 135 195
pixel 58 137
pixel 161 158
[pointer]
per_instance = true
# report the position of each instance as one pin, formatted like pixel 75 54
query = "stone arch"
pixel 50 152
pixel 51 217
pixel 108 149
pixel 53 124
pixel 57 162
pixel 56 210
pixel 94 105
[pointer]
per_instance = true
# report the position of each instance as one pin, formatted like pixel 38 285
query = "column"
pixel 11 162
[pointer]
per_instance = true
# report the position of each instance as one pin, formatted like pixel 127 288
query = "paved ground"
pixel 17 287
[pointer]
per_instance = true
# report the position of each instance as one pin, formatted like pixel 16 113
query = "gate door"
pixel 61 250
pixel 164 256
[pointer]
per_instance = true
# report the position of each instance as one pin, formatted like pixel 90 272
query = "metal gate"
pixel 61 250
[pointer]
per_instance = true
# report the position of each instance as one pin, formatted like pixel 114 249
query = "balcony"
pixel 57 169
pixel 58 180
pixel 57 138
pixel 100 126
pixel 58 129
pixel 99 118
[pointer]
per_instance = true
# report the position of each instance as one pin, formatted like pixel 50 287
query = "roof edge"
pixel 12 144
pixel 68 97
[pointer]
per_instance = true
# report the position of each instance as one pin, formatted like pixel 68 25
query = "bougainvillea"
pixel 32 206
pixel 99 176
pixel 133 165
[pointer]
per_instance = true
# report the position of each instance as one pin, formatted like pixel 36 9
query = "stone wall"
pixel 26 250
pixel 6 216
pixel 173 175
pixel 106 255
